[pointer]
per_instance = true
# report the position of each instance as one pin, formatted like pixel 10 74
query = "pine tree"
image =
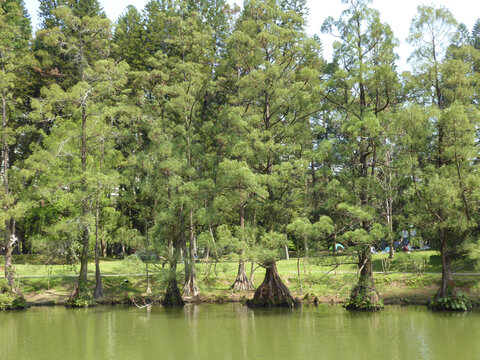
pixel 129 38
pixel 15 61
pixel 75 174
pixel 363 79
pixel 277 67
pixel 445 181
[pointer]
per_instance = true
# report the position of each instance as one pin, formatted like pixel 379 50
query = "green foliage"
pixel 80 302
pixel 197 126
pixel 269 248
pixel 363 304
pixel 131 264
pixel 456 301
pixel 11 301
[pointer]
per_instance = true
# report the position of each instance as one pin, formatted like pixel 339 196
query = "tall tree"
pixel 15 60
pixel 445 181
pixel 277 66
pixel 80 112
pixel 362 82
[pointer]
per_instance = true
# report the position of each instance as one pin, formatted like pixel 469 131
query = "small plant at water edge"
pixel 11 301
pixel 80 302
pixel 454 302
pixel 363 304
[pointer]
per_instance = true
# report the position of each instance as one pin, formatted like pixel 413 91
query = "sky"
pixel 398 14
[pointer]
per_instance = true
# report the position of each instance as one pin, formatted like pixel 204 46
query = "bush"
pixel 11 301
pixel 363 304
pixel 80 302
pixel 454 302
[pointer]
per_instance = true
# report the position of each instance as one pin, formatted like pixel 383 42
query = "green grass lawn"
pixel 325 275
pixel 414 262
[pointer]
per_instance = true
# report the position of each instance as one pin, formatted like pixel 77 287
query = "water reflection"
pixel 233 331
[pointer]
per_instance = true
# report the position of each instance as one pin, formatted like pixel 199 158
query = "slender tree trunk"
pixel 305 259
pixel 390 226
pixel 272 292
pixel 9 273
pixel 191 288
pixel 298 266
pixel 252 265
pixel 149 290
pixel 98 277
pixel 242 282
pixel 80 289
pixel 104 248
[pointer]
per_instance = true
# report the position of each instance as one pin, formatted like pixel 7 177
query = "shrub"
pixel 11 301
pixel 454 301
pixel 80 302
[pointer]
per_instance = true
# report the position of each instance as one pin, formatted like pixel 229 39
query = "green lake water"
pixel 233 331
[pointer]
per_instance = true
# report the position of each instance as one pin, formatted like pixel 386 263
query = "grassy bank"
pixel 409 278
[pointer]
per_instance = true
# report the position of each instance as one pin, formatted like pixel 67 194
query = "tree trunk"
pixel 305 259
pixel 104 248
pixel 149 290
pixel 298 266
pixel 364 295
pixel 272 292
pixel 447 288
pixel 252 265
pixel 191 288
pixel 242 282
pixel 8 257
pixel 80 290
pixel 98 277
pixel 173 297
pixel 389 203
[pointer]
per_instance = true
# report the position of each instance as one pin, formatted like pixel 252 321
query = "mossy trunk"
pixel 272 292
pixel 173 297
pixel 242 282
pixel 81 290
pixel 364 295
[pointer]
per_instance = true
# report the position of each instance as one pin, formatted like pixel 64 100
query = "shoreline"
pixel 39 300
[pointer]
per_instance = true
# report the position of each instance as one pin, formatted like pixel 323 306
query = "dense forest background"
pixel 196 130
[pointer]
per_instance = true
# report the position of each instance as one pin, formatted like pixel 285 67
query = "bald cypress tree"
pixel 77 159
pixel 443 171
pixel 277 70
pixel 363 78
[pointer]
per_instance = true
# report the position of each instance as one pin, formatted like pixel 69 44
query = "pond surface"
pixel 233 331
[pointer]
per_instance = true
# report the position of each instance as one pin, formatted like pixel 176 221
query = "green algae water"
pixel 233 331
